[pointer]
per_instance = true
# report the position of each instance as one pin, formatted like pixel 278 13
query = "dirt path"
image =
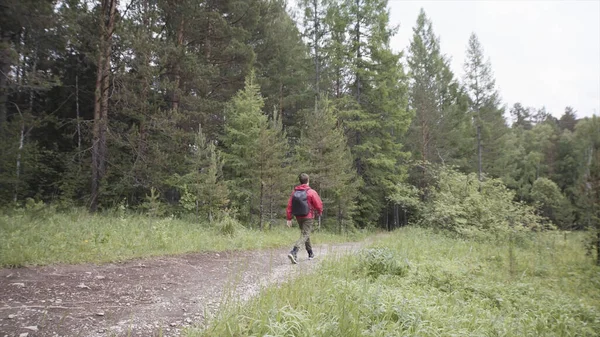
pixel 149 297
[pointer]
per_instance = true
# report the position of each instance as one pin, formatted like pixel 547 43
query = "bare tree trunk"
pixel 21 144
pixel 260 215
pixel 358 51
pixel 209 28
pixel 78 117
pixel 281 100
pixel 101 99
pixel 316 43
pixel 176 97
pixel 598 248
pixel 4 70
pixel 479 155
pixel 339 216
pixel 23 133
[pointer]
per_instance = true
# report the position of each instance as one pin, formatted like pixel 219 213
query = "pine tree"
pixel 27 76
pixel 274 170
pixel 283 64
pixel 485 108
pixel 437 102
pixel 430 96
pixel 254 154
pixel 204 190
pixel 373 111
pixel 323 153
pixel 568 120
pixel 107 20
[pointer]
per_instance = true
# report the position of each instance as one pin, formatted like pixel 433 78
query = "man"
pixel 303 203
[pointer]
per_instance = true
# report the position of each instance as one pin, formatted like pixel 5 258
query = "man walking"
pixel 303 203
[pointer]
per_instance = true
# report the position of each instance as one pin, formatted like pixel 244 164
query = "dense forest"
pixel 188 107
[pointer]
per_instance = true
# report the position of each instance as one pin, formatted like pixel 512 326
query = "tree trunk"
pixel 176 97
pixel 78 118
pixel 21 144
pixel 598 248
pixel 479 155
pixel 358 51
pixel 281 101
pixel 316 43
pixel 101 100
pixel 4 70
pixel 339 216
pixel 260 211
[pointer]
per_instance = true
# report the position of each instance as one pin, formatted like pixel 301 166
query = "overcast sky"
pixel 543 53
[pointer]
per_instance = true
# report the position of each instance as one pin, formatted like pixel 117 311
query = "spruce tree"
pixel 323 153
pixel 203 187
pixel 373 111
pixel 254 155
pixel 273 170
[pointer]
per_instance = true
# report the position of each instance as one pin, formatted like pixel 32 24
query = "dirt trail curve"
pixel 146 297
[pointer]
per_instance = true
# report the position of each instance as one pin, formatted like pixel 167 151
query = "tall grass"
pixel 417 283
pixel 42 236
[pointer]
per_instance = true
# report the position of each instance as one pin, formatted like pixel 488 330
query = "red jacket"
pixel 314 202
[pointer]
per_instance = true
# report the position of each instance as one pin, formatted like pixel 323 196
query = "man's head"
pixel 303 177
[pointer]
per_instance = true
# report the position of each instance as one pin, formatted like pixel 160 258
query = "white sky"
pixel 543 53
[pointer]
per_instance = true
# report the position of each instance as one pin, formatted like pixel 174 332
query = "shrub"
pixel 228 225
pixel 457 205
pixel 381 261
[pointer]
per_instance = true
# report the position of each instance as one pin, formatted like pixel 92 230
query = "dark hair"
pixel 303 177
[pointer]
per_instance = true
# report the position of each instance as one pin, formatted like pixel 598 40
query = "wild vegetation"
pixel 202 109
pixel 37 235
pixel 418 282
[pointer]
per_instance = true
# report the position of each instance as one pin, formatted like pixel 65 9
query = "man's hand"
pixel 289 223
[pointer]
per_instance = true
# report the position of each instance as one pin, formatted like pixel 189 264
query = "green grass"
pixel 417 283
pixel 41 236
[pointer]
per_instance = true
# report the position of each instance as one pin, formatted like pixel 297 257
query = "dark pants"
pixel 305 229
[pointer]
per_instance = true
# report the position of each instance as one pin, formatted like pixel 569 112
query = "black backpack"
pixel 300 203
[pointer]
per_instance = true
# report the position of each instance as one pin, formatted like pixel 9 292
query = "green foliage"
pixel 37 234
pixel 453 287
pixel 456 205
pixel 202 186
pixel 322 152
pixel 255 150
pixel 152 204
pixel 375 262
pixel 228 226
pixel 178 65
pixel 243 129
pixel 406 196
pixel 369 85
pixel 436 133
pixel 485 108
pixel 550 202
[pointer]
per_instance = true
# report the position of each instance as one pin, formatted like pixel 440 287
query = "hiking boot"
pixel 293 255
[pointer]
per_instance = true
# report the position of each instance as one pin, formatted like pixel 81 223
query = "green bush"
pixel 457 205
pixel 228 226
pixel 375 262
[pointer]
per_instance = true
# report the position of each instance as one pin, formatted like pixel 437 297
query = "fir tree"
pixel 254 154
pixel 204 191
pixel 323 153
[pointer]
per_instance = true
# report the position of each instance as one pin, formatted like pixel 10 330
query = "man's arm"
pixel 316 202
pixel 289 210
